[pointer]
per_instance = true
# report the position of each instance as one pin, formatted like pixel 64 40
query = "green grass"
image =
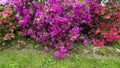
pixel 30 58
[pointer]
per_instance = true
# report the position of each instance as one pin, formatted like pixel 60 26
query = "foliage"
pixel 106 20
pixel 7 25
pixel 60 23
pixel 54 23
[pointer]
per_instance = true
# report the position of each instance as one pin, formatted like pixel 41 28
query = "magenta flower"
pixel 46 49
pixel 58 54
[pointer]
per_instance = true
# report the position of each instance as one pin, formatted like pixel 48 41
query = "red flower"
pixel 99 43
pixel 102 11
pixel 110 39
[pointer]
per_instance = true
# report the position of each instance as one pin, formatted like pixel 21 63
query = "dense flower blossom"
pixel 7 26
pixel 59 23
pixel 56 23
pixel 107 25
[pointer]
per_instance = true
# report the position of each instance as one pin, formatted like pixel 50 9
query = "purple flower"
pixel 63 51
pixel 46 49
pixel 55 23
pixel 58 54
pixel 86 42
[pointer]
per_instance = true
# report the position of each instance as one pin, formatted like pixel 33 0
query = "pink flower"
pixel 110 39
pixel 118 37
pixel 10 23
pixel 106 17
pixel 98 31
pixel 6 35
pixel 12 35
pixel 102 11
pixel 99 43
pixel 1 13
pixel 86 42
pixel 46 48
pixel 20 33
pixel 5 38
pixel 19 41
pixel 22 42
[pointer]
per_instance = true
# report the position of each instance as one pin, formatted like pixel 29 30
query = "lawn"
pixel 33 58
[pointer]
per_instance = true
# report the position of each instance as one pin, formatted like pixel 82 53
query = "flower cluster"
pixel 54 23
pixel 8 36
pixel 22 42
pixel 107 25
pixel 7 26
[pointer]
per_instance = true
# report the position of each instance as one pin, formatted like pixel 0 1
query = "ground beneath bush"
pixel 79 57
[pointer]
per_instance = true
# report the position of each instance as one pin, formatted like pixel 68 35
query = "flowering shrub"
pixel 7 26
pixel 60 23
pixel 107 25
pixel 54 23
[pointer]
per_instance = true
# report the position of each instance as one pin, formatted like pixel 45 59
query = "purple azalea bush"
pixel 56 23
